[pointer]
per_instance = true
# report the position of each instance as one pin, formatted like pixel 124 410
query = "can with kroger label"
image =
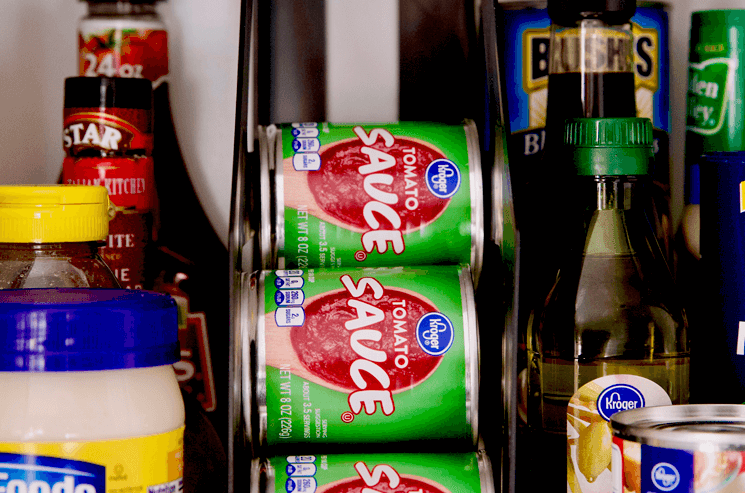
pixel 384 472
pixel 679 449
pixel 370 355
pixel 370 195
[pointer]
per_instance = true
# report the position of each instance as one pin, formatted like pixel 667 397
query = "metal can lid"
pixel 688 426
pixel 71 329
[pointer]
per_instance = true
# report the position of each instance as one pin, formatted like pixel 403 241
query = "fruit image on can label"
pixel 368 347
pixel 328 349
pixel 350 170
pixel 354 195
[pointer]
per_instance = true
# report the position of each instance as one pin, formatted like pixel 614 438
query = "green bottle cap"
pixel 609 146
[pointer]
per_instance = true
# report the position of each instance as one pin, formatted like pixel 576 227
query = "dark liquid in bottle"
pixel 548 188
pixel 587 95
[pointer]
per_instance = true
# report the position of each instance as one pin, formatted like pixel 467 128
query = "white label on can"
pixel 303 144
pixel 289 316
pixel 305 132
pixel 289 282
pixel 301 485
pixel 307 161
pixel 289 297
pixel 301 469
pixel 296 459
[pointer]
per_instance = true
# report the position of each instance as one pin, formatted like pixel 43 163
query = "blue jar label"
pixel 147 464
pixel 23 473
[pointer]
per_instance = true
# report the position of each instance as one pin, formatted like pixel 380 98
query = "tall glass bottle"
pixel 611 335
pixel 128 38
pixel 591 70
pixel 107 137
pixel 590 76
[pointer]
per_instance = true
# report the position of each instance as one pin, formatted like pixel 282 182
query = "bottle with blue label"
pixel 611 335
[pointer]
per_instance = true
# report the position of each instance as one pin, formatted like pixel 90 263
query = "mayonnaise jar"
pixel 90 402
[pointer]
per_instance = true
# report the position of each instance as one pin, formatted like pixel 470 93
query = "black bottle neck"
pixel 122 8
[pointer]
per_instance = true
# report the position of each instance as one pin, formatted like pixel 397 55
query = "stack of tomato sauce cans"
pixel 361 348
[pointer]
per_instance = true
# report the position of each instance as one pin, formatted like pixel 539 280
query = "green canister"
pixel 370 195
pixel 716 89
pixel 372 355
pixel 383 472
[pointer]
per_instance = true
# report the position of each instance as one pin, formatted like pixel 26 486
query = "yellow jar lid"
pixel 53 213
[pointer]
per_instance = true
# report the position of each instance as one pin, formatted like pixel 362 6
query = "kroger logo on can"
pixel 665 476
pixel 443 178
pixel 620 397
pixel 434 333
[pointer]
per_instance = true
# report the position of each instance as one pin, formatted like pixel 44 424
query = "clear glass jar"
pixel 50 237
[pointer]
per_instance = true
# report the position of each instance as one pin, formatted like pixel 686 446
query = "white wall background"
pixel 38 49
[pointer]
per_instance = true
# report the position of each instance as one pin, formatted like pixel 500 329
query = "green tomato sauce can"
pixel 373 355
pixel 381 472
pixel 370 195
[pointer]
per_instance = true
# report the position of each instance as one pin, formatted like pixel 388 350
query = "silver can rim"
pixel 472 349
pixel 684 426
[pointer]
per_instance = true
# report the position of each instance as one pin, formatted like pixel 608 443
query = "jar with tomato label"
pixel 107 136
pixel 50 236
